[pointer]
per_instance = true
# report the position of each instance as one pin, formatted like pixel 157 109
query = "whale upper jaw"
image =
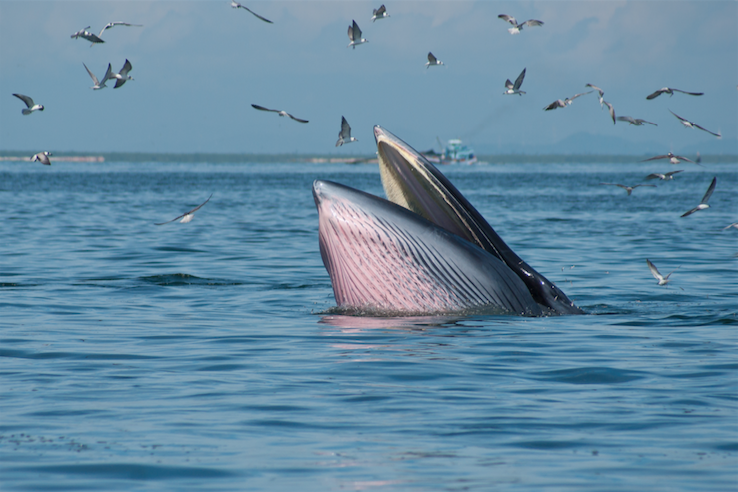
pixel 411 181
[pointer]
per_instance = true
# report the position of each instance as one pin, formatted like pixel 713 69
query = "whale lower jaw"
pixel 384 260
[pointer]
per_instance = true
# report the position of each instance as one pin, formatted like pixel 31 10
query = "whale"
pixel 423 250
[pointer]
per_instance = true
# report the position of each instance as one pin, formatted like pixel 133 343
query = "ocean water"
pixel 204 356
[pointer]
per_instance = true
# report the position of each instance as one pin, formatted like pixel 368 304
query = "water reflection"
pixel 361 324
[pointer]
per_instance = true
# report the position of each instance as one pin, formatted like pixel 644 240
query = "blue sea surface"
pixel 205 356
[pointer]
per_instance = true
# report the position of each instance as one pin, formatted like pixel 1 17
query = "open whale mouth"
pixel 411 181
pixel 425 250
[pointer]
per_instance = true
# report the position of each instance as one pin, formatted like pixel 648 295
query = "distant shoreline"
pixel 333 159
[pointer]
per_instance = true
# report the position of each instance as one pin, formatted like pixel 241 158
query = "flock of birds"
pixel 356 38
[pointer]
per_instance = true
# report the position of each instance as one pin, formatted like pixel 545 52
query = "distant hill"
pixel 588 144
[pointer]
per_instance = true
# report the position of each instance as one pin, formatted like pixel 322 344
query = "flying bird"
pixel 657 275
pixel 432 61
pixel 42 157
pixel 670 91
pixel 635 121
pixel 379 13
pixel 511 88
pixel 98 84
pixel 344 136
pixel 280 112
pixel 117 23
pixel 187 216
pixel 611 110
pixel 602 93
pixel 354 34
pixel 674 159
pixel 689 124
pixel 237 5
pixel 664 177
pixel 734 224
pixel 517 27
pixel 31 106
pixel 566 102
pixel 84 34
pixel 122 76
pixel 629 189
pixel 703 204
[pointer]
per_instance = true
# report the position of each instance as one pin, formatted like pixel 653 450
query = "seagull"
pixel 602 93
pixel 122 76
pixel 689 124
pixel 84 34
pixel 674 159
pixel 432 61
pixel 566 102
pixel 670 91
pixel 655 272
pixel 515 88
pixel 629 189
pixel 98 84
pixel 734 224
pixel 187 216
pixel 379 13
pixel 42 157
pixel 518 27
pixel 664 177
pixel 354 34
pixel 703 204
pixel 611 110
pixel 237 5
pixel 117 23
pixel 281 113
pixel 635 121
pixel 344 136
pixel 29 102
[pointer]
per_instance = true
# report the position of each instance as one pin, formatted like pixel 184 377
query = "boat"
pixel 455 152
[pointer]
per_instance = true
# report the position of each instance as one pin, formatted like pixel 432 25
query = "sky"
pixel 199 65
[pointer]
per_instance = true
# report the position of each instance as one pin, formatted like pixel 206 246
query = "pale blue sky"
pixel 199 65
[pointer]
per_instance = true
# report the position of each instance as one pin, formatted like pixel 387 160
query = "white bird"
pixel 237 5
pixel 689 124
pixel 611 110
pixel 673 158
pixel 657 275
pixel 734 224
pixel 187 216
pixel 635 121
pixel 122 76
pixel 515 88
pixel 664 177
pixel 518 27
pixel 432 61
pixel 280 112
pixel 84 34
pixel 629 189
pixel 703 204
pixel 354 34
pixel 670 91
pixel 31 106
pixel 42 157
pixel 344 136
pixel 117 23
pixel 602 93
pixel 98 84
pixel 566 102
pixel 379 13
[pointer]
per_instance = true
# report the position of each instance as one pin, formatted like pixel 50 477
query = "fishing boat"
pixel 455 152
